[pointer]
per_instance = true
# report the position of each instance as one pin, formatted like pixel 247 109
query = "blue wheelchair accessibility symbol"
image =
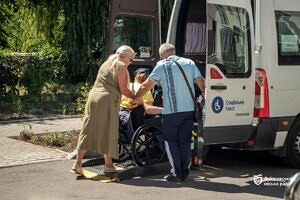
pixel 217 104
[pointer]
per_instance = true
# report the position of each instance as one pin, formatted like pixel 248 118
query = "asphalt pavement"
pixel 226 175
pixel 33 172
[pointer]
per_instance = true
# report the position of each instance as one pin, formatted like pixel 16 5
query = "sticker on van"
pixel 217 104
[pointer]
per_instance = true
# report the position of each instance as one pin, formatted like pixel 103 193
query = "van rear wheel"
pixel 293 146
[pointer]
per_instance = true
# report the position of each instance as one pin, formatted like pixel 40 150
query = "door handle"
pixel 218 87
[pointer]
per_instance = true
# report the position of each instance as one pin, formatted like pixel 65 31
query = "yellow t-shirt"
pixel 126 102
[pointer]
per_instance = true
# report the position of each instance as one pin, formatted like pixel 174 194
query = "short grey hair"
pixel 166 47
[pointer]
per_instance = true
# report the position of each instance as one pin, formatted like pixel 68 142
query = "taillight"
pixel 214 74
pixel 261 104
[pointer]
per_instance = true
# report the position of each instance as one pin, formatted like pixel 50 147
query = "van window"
pixel 136 32
pixel 229 42
pixel 288 37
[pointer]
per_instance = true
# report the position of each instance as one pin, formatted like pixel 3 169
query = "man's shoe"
pixel 172 178
pixel 186 179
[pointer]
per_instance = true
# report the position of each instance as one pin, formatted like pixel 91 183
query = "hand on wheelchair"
pixel 136 102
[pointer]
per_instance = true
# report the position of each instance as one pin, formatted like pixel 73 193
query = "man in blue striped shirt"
pixel 178 107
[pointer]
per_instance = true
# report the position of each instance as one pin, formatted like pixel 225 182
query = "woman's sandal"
pixel 112 170
pixel 76 169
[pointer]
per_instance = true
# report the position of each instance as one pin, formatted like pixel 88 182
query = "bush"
pixel 30 71
pixel 10 73
pixel 66 140
pixel 55 139
pixel 41 89
pixel 25 135
pixel 84 90
pixel 40 71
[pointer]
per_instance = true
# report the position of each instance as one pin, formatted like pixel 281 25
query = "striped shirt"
pixel 176 95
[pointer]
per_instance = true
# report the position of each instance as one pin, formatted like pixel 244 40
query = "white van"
pixel 249 53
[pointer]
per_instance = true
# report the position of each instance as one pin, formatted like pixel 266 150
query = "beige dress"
pixel 100 131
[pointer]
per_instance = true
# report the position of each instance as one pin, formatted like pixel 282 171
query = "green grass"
pixel 65 141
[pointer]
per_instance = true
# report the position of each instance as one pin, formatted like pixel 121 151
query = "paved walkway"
pixel 40 126
pixel 14 152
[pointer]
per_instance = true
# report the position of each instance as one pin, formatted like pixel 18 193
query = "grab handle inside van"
pixel 218 87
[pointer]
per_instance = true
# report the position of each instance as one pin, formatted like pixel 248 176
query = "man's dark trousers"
pixel 177 130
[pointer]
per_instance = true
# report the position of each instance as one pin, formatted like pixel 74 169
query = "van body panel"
pixel 238 96
pixel 283 80
pixel 233 106
pixel 284 103
pixel 290 5
pixel 265 136
pixel 271 134
pixel 224 135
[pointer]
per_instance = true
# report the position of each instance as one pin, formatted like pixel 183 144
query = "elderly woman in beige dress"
pixel 101 122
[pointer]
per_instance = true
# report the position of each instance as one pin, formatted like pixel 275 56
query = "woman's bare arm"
pixel 123 83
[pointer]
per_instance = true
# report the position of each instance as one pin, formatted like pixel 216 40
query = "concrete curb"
pixel 40 119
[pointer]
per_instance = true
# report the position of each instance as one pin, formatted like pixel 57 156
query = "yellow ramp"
pixel 89 174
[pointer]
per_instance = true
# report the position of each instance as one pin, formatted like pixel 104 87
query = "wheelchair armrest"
pixel 153 120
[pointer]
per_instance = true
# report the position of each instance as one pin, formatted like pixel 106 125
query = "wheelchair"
pixel 146 145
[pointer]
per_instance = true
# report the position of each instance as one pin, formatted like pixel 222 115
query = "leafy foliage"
pixel 84 89
pixel 39 70
pixel 166 10
pixel 85 37
pixel 74 31
pixel 5 15
pixel 46 45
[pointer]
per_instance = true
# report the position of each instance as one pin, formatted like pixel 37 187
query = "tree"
pixel 6 12
pixel 74 32
pixel 166 10
pixel 85 35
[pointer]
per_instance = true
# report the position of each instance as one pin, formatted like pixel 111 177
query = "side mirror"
pixel 292 191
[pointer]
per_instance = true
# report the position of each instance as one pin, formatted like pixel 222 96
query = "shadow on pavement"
pixel 231 171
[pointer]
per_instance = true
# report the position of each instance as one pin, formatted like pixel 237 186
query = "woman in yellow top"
pixel 132 112
pixel 141 75
pixel 100 129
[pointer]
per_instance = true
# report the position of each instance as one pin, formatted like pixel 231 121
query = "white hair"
pixel 126 50
pixel 166 47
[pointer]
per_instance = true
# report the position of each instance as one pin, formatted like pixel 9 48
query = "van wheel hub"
pixel 297 144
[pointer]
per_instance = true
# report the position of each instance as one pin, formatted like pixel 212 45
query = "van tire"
pixel 293 146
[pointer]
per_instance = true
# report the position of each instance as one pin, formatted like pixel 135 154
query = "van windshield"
pixel 229 40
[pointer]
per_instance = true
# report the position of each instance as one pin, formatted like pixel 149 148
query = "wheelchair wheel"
pixel 147 146
pixel 124 152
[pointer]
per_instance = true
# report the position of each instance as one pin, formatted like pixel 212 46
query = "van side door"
pixel 135 23
pixel 230 73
